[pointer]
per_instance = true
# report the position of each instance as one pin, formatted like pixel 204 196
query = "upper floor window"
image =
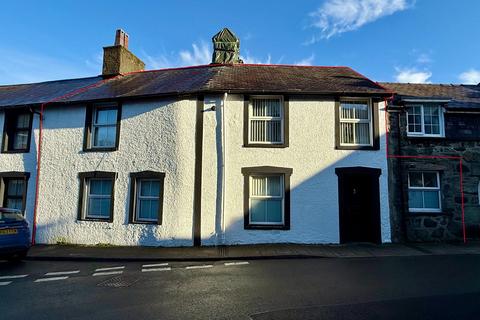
pixel 17 131
pixel 425 120
pixel 102 127
pixel 355 123
pixel 424 191
pixel 266 121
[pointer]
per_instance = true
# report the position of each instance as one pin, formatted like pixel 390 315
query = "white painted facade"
pixel 159 135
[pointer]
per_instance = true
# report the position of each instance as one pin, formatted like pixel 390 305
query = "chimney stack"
pixel 117 59
pixel 226 48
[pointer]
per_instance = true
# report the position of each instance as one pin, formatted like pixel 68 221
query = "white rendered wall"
pixel 157 136
pixel 314 185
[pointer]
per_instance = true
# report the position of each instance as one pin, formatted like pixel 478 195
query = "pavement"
pixel 262 251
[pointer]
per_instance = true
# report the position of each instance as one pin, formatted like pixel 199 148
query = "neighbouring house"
pixel 226 153
pixel 434 160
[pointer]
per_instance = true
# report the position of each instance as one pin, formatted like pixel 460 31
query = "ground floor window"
pixel 267 197
pixel 13 190
pixel 146 197
pixel 424 191
pixel 97 195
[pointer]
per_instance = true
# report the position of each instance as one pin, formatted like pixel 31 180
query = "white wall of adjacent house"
pixel 156 136
pixel 314 185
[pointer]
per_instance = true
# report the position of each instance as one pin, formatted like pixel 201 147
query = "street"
pixel 427 287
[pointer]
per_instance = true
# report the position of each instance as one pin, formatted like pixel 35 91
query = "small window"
pixel 146 197
pixel 424 192
pixel 267 197
pixel 425 120
pixel 355 123
pixel 266 120
pixel 97 196
pixel 13 186
pixel 17 131
pixel 102 127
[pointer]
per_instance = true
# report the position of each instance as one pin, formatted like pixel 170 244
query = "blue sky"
pixel 387 40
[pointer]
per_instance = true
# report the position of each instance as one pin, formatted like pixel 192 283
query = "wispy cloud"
pixel 471 76
pixel 199 54
pixel 306 61
pixel 334 17
pixel 412 75
pixel 249 59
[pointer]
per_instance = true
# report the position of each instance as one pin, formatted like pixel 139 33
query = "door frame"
pixel 373 175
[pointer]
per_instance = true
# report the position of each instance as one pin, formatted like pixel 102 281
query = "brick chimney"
pixel 226 48
pixel 117 59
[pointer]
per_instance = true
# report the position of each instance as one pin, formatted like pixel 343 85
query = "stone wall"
pixel 460 142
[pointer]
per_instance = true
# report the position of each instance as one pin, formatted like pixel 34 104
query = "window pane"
pixel 415 199
pixel 149 188
pixel 106 116
pixel 15 204
pixel 148 209
pixel 104 136
pixel 430 179
pixel 259 186
pixel 23 121
pixel 431 199
pixel 362 133
pixel 274 211
pixel 414 119
pixel 415 179
pixel 274 186
pixel 15 187
pixel 347 133
pixel 266 130
pixel 257 210
pixel 266 108
pixel 20 140
pixel 98 207
pixel 101 187
pixel 354 110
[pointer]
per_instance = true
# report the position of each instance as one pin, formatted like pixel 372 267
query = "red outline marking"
pixel 430 157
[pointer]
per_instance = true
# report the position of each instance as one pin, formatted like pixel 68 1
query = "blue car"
pixel 14 234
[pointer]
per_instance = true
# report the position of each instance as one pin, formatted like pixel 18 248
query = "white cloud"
pixel 412 76
pixel 306 61
pixel 471 76
pixel 424 58
pixel 248 59
pixel 201 54
pixel 338 16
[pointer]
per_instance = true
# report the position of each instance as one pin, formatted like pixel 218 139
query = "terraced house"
pixel 226 153
pixel 434 148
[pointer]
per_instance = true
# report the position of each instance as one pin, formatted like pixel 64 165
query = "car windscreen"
pixel 6 216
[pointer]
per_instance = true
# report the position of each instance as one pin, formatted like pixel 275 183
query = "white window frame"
pixel 438 189
pixel 96 196
pixel 369 121
pixel 422 133
pixel 96 108
pixel 250 197
pixel 139 197
pixel 282 119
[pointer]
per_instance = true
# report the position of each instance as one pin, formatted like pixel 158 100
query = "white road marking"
pixel 51 279
pixel 60 273
pixel 157 269
pixel 14 277
pixel 109 268
pixel 5 283
pixel 106 273
pixel 236 263
pixel 155 265
pixel 199 267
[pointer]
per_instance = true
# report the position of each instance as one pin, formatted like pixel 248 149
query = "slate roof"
pixel 461 96
pixel 240 78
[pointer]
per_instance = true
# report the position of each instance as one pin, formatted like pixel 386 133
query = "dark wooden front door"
pixel 359 203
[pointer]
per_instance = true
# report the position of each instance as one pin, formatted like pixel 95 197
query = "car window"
pixel 10 217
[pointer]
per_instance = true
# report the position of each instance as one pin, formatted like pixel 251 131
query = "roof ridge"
pixel 48 81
